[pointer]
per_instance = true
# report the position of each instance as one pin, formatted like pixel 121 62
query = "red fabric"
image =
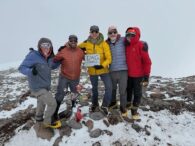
pixel 70 62
pixel 138 60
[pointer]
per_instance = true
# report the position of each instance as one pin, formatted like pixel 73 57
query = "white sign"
pixel 92 59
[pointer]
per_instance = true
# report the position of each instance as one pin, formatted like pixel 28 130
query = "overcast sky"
pixel 167 25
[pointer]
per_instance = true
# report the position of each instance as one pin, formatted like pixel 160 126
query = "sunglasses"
pixel 112 32
pixel 130 34
pixel 45 45
pixel 73 41
pixel 94 31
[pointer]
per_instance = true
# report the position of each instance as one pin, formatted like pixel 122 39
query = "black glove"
pixel 34 71
pixel 145 81
pixel 146 78
pixel 98 66
pixel 31 49
pixel 62 47
pixel 84 49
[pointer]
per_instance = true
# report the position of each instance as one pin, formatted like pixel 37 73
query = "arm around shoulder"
pixel 107 53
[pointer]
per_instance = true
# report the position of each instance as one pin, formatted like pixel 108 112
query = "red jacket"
pixel 70 62
pixel 138 60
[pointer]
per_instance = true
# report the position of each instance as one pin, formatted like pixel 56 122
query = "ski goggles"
pixel 45 45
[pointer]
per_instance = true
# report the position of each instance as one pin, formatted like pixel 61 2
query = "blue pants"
pixel 108 89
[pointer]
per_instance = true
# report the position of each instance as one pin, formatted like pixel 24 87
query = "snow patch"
pixel 24 105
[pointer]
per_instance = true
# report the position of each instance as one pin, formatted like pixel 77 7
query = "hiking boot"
pixel 66 114
pixel 55 115
pixel 129 105
pixel 94 108
pixel 124 112
pixel 135 114
pixel 54 125
pixel 54 118
pixel 104 110
pixel 113 105
pixel 136 117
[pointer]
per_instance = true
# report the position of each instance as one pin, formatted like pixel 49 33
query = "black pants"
pixel 134 90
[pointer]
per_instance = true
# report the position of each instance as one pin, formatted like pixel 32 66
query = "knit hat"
pixel 94 28
pixel 111 28
pixel 73 37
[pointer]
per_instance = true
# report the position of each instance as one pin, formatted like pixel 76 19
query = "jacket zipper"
pixel 73 62
pixel 94 51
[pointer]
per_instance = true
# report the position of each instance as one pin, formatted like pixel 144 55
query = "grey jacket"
pixel 118 55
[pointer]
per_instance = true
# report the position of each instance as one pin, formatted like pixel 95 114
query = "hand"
pixel 84 49
pixel 98 66
pixel 34 71
pixel 67 44
pixel 145 81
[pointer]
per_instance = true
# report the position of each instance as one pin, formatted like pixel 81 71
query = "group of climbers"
pixel 122 61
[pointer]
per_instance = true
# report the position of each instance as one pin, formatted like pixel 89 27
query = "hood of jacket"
pixel 97 41
pixel 137 35
pixel 45 40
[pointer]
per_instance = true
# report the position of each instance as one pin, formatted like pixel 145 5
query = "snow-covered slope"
pixel 160 127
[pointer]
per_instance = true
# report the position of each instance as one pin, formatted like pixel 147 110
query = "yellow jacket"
pixel 101 48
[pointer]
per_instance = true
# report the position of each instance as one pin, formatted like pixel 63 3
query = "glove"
pixel 84 49
pixel 145 81
pixel 31 49
pixel 34 71
pixel 62 47
pixel 98 66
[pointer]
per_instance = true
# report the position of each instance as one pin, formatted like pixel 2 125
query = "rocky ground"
pixel 174 95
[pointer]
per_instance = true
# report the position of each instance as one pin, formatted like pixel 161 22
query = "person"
pixel 139 67
pixel 118 68
pixel 70 58
pixel 95 44
pixel 37 67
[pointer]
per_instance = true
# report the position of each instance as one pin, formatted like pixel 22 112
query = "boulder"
pixel 96 116
pixel 74 124
pixel 95 133
pixel 43 132
pixel 65 130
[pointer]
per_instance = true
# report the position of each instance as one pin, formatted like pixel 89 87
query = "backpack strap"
pixel 145 46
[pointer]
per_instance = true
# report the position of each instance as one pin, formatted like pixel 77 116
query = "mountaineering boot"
pixel 129 105
pixel 55 115
pixel 54 125
pixel 94 108
pixel 104 110
pixel 113 105
pixel 135 114
pixel 124 112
